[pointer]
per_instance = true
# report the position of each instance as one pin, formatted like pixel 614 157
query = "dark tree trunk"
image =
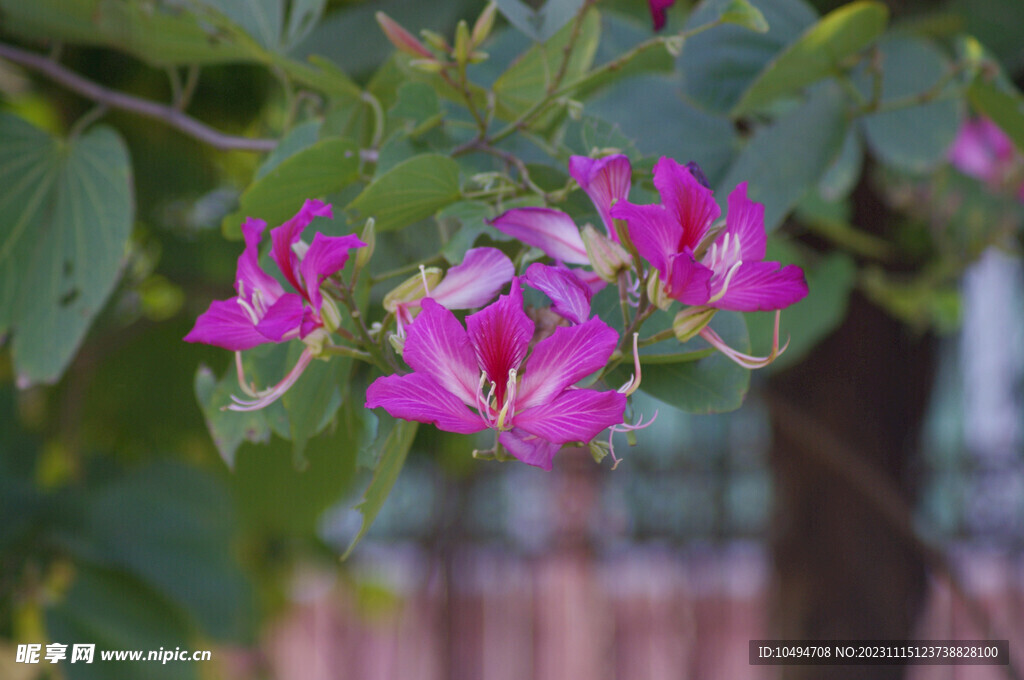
pixel 846 424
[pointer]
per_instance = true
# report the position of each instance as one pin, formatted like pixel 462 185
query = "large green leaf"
pixel 528 79
pixel 817 54
pixel 228 429
pixel 156 33
pixel 410 191
pixel 788 157
pixel 177 539
pixel 392 457
pixel 314 399
pixel 319 169
pixel 914 138
pixel 713 384
pixel 115 612
pixel 719 65
pixel 66 212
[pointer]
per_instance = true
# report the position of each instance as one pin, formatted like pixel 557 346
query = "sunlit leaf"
pixel 817 53
pixel 66 211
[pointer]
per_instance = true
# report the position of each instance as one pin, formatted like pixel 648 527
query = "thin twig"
pixel 144 107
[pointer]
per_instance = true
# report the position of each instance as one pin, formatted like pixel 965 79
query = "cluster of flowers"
pixel 503 369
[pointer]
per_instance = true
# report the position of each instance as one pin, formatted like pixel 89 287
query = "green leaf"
pixel 323 168
pixel 157 34
pixel 392 458
pixel 302 19
pixel 418 107
pixel 409 192
pixel 719 65
pixel 228 428
pixel 1003 104
pixel 817 54
pixel 465 221
pixel 539 24
pixel 114 612
pixel 788 157
pixel 527 80
pixel 713 384
pixel 262 20
pixel 302 136
pixel 811 320
pixel 840 179
pixel 177 539
pixel 742 13
pixel 66 212
pixel 915 138
pixel 314 399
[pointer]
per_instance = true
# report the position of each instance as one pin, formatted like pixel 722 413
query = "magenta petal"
pixel 501 335
pixel 550 230
pixel 563 359
pixel 438 346
pixel 418 397
pixel 283 320
pixel 690 202
pixel 476 281
pixel 575 415
pixel 763 286
pixel 569 296
pixel 250 276
pixel 225 324
pixel 528 448
pixel 326 256
pixel 606 181
pixel 745 221
pixel 689 281
pixel 653 230
pixel 658 8
pixel 289 233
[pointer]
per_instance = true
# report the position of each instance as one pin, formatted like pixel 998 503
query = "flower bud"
pixel 484 24
pixel 369 237
pixel 656 292
pixel 413 288
pixel 316 341
pixel 607 257
pixel 329 314
pixel 674 44
pixel 462 43
pixel 691 321
pixel 437 41
pixel 427 65
pixel 397 343
pixel 402 39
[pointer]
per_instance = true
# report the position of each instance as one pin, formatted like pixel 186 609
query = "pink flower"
pixel 697 266
pixel 263 312
pixel 479 377
pixel 983 151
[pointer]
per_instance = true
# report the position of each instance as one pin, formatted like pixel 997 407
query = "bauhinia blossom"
pixel 983 151
pixel 479 377
pixel 605 180
pixel 263 312
pixel 699 267
pixel 658 8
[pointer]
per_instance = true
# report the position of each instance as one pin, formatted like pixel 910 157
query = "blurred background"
pixel 871 486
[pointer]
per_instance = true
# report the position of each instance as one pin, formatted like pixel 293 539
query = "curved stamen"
pixel 624 427
pixel 270 395
pixel 725 284
pixel 508 408
pixel 634 380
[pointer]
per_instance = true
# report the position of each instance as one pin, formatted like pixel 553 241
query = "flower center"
pixel 725 259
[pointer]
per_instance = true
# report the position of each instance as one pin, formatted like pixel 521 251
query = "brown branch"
pixel 144 107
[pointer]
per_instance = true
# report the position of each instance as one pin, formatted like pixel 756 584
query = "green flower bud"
pixel 413 288
pixel 655 292
pixel 691 321
pixel 607 257
pixel 484 24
